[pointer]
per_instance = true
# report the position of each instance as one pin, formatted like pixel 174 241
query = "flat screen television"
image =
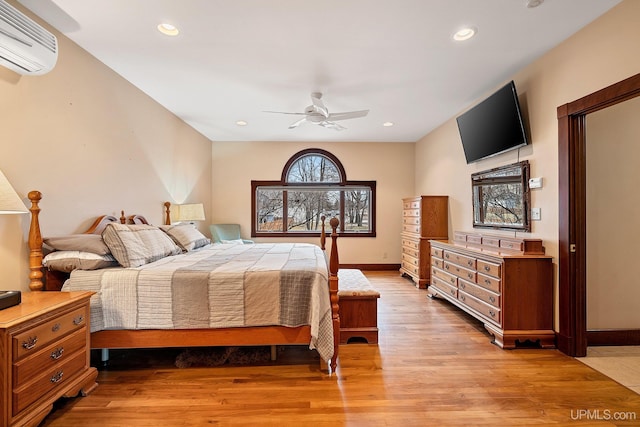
pixel 493 126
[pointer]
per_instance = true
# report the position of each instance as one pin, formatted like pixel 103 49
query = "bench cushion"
pixel 352 282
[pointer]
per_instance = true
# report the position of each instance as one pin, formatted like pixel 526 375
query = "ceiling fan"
pixel 318 114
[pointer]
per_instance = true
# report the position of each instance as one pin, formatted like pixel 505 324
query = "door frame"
pixel 572 225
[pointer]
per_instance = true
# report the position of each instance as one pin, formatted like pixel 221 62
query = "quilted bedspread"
pixel 219 286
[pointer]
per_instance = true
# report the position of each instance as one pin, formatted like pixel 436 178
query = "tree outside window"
pixel 313 184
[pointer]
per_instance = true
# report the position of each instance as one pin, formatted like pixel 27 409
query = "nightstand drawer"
pixel 47 357
pixel 54 377
pixel 31 341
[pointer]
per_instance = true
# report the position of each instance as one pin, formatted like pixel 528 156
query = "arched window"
pixel 313 184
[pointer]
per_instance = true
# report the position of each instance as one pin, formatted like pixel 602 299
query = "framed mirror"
pixel 501 197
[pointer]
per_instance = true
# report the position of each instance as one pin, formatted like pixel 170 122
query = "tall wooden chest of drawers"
pixel 506 283
pixel 423 218
pixel 44 351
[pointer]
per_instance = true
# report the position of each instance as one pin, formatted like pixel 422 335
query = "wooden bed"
pixel 44 280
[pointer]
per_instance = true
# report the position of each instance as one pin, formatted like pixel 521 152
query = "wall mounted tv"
pixel 493 126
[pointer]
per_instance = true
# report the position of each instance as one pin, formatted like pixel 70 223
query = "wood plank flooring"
pixel 433 366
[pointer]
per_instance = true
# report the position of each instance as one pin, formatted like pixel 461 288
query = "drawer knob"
pixel 469 263
pixel 462 298
pixel 78 320
pixel 55 328
pixel 30 343
pixel 57 353
pixel 487 281
pixel 446 256
pixel 57 377
pixel 461 285
pixel 492 298
pixel 487 268
pixel 446 266
pixel 453 292
pixel 492 313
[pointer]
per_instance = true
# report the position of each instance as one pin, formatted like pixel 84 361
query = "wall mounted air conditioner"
pixel 25 47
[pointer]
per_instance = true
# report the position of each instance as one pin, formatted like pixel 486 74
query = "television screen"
pixel 493 126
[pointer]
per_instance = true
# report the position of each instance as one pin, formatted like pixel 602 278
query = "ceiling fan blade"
pixel 331 125
pixel 348 115
pixel 285 112
pixel 318 105
pixel 297 123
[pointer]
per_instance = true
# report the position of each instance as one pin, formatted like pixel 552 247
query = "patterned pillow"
pixel 186 236
pixel 68 261
pixel 137 244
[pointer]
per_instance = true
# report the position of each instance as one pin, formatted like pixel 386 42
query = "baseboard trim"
pixel 613 337
pixel 370 267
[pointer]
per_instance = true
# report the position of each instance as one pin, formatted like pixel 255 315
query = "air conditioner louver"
pixel 25 46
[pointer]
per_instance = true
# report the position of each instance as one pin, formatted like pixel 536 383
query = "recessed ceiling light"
pixel 168 29
pixel 241 123
pixel 387 124
pixel 464 34
pixel 534 3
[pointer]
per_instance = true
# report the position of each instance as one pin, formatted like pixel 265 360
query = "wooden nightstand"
pixel 44 354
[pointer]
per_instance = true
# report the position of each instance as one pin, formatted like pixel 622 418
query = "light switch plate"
pixel 535 182
pixel 535 214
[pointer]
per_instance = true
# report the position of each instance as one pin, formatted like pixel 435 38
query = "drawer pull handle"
pixel 446 266
pixel 487 268
pixel 78 320
pixel 57 353
pixel 462 298
pixel 453 281
pixel 57 377
pixel 55 328
pixel 492 298
pixel 446 256
pixel 30 343
pixel 461 285
pixel 492 313
pixel 487 281
pixel 470 263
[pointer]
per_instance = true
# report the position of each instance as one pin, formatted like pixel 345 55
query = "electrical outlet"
pixel 535 214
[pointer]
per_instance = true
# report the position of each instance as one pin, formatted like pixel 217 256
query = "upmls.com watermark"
pixel 603 415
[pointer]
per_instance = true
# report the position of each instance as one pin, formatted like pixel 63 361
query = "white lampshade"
pixel 10 203
pixel 191 212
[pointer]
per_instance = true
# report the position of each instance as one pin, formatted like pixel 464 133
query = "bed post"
pixel 167 213
pixel 35 244
pixel 333 290
pixel 323 234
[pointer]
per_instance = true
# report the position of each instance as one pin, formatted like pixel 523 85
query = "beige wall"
pixel 92 144
pixel 613 207
pixel 235 164
pixel 601 54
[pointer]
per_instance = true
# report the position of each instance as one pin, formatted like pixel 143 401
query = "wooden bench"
pixel 358 302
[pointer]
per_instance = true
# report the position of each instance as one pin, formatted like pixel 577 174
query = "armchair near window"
pixel 226 232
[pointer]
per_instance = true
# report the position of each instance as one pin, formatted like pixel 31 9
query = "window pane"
pixel 269 210
pixel 313 168
pixel 305 207
pixel 357 211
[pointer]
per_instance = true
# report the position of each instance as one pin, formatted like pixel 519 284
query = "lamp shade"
pixel 10 203
pixel 191 212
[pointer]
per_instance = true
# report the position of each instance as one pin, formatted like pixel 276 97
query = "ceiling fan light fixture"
pixel 241 123
pixel 168 29
pixel 388 124
pixel 465 34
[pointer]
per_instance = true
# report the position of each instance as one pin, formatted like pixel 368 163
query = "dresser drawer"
pixel 47 357
pixel 34 339
pixel 459 259
pixel 411 252
pixel 411 213
pixel 444 287
pixel 410 220
pixel 409 228
pixel 436 252
pixel 443 275
pixel 492 313
pixel 410 269
pixel 410 243
pixel 52 378
pixel 489 282
pixel 465 273
pixel 411 204
pixel 488 268
pixel 479 292
pixel 437 262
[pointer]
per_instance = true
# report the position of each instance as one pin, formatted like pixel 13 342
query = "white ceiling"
pixel 236 58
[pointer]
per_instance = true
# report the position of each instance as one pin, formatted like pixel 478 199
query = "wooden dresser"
pixel 507 283
pixel 423 218
pixel 45 354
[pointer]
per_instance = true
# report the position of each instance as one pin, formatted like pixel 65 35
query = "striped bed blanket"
pixel 218 286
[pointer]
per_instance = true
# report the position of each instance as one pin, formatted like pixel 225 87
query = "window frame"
pixel 342 186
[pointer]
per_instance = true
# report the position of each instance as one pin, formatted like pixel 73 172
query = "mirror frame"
pixel 496 177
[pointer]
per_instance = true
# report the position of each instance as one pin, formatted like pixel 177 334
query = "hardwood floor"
pixel 433 366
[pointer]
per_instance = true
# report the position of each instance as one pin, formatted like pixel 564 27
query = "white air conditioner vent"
pixel 25 46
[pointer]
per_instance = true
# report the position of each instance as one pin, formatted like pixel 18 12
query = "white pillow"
pixel 137 244
pixel 68 261
pixel 232 242
pixel 186 236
